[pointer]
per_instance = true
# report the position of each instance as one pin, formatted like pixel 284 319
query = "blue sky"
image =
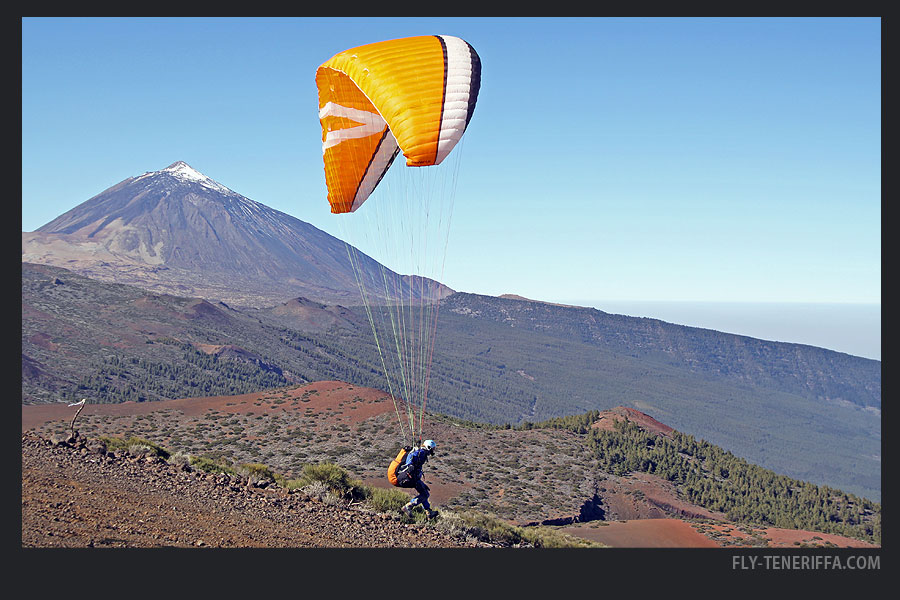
pixel 669 159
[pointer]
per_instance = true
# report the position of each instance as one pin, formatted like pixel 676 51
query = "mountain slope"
pixel 178 231
pixel 192 242
pixel 494 369
pixel 809 371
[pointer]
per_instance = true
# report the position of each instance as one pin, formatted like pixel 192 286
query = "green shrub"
pixel 180 458
pixel 256 472
pixel 545 537
pixel 334 478
pixel 208 465
pixel 135 446
pixel 489 528
pixel 386 500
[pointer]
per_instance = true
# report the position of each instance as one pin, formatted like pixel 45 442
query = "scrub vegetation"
pixel 798 410
pixel 334 485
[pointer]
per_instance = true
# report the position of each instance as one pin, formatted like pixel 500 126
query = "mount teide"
pixel 178 231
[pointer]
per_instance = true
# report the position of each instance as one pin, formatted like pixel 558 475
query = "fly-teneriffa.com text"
pixel 802 562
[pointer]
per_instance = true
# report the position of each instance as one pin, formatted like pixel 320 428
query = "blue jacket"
pixel 417 458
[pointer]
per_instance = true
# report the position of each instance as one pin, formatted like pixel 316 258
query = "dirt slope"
pixel 537 476
pixel 73 497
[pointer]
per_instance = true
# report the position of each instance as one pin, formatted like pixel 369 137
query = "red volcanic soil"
pixel 644 533
pixel 352 404
pixel 675 533
pixel 646 496
pixel 608 418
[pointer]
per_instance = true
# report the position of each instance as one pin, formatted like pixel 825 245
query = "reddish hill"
pixel 646 496
pixel 608 418
pixel 306 315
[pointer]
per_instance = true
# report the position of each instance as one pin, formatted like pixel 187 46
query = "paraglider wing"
pixel 414 95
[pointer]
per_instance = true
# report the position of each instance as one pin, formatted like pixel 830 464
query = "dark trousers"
pixel 422 498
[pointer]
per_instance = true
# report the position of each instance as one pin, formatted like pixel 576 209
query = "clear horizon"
pixel 853 328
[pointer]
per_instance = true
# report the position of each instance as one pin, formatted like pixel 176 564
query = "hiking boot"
pixel 406 510
pixel 431 513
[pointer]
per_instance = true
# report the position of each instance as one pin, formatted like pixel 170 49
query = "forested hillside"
pixel 496 361
pixel 718 480
pixel 793 368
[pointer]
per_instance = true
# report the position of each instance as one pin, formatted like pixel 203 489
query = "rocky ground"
pixel 520 476
pixel 76 495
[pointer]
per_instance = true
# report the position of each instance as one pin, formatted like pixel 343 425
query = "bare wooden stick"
pixel 77 412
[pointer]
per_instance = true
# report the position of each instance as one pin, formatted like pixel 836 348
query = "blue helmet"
pixel 428 445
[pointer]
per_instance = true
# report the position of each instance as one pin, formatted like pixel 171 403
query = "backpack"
pixel 398 471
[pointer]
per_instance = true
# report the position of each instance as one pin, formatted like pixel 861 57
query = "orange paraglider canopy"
pixel 414 95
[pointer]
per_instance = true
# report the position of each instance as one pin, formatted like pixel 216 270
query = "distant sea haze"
pixel 850 328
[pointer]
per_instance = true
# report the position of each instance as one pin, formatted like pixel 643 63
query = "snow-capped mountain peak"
pixel 184 172
pixel 178 231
